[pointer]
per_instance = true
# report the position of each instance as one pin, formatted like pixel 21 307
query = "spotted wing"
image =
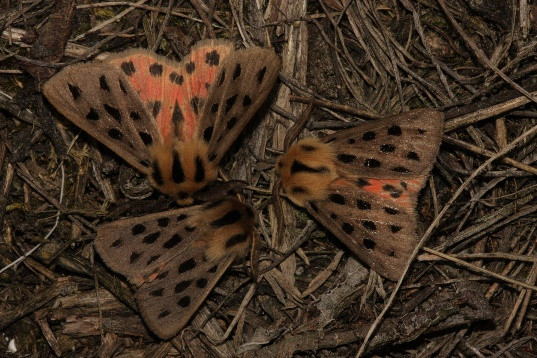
pixel 99 99
pixel 379 229
pixel 242 85
pixel 173 92
pixel 401 146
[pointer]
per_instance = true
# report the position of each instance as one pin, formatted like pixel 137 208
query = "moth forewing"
pixel 399 146
pixel 99 99
pixel 138 247
pixel 381 231
pixel 168 304
pixel 241 86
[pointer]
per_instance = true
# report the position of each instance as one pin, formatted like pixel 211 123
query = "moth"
pixel 362 184
pixel 176 257
pixel 173 122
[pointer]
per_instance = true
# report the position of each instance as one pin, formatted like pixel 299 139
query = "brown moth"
pixel 176 257
pixel 362 184
pixel 172 121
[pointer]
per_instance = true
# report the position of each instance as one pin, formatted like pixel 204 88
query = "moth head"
pixel 180 169
pixel 306 170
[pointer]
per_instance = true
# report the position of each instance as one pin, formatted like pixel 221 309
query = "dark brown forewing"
pixel 99 99
pixel 241 86
pixel 399 146
pixel 168 302
pixel 139 247
pixel 380 231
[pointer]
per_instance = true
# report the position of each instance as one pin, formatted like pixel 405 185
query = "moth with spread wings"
pixel 176 257
pixel 172 121
pixel 362 184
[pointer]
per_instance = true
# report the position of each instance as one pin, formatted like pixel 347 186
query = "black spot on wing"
pixel 159 292
pixel 413 156
pixel 346 158
pixel 92 115
pixel 207 134
pixel 122 87
pixel 181 286
pixel 190 67
pixel 261 74
pixel 138 229
pixel 152 259
pixel 371 163
pixel 164 313
pixel 395 228
pixel 212 58
pixel 176 78
pixel 369 225
pixel 117 243
pixel 246 101
pixel 103 83
pixel 393 191
pixel 347 228
pixel 163 222
pixel 387 148
pixel 135 116
pixel 363 205
pixel 113 112
pixel 128 68
pixel 391 211
pixel 173 241
pixel 184 302
pixel 230 102
pixel 156 107
pixel 186 266
pixel 337 199
pixel 146 138
pixel 400 169
pixel 135 256
pixel 115 133
pixel 194 103
pixel 237 71
pixel 177 115
pixel 395 130
pixel 75 91
pixel 201 282
pixel 151 238
pixel 361 182
pixel 369 135
pixel 222 78
pixel 369 244
pixel 156 69
pixel 231 123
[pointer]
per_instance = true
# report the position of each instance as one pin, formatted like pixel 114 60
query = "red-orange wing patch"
pixel 174 92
